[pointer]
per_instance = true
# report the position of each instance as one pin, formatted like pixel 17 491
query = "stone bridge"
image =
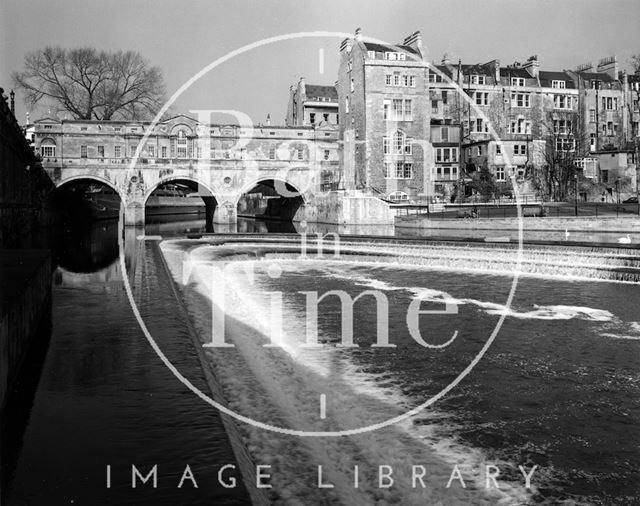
pixel 221 162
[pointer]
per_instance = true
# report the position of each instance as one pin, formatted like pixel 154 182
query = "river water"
pixel 558 388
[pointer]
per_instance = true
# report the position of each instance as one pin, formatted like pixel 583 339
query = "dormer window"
pixel 478 79
pixel 371 54
pixel 517 81
pixel 558 84
pixel 393 55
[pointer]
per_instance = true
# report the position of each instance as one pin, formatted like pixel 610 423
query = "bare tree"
pixel 553 180
pixel 92 84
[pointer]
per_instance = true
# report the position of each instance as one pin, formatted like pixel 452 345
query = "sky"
pixel 182 37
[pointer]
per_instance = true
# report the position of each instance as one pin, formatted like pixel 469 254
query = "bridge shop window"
pixel 117 151
pixel 300 153
pixel 326 154
pixel 48 148
pixel 272 153
pixel 182 144
pixel 100 151
pixel 83 151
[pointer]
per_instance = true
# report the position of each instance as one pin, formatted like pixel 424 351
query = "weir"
pixel 594 262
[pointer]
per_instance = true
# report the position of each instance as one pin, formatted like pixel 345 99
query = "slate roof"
pixel 381 48
pixel 313 91
pixel 547 76
pixel 598 76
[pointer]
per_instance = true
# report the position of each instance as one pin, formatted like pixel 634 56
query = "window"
pixel 519 149
pixel 396 78
pixel 517 81
pixel 610 128
pixel 479 125
pixel 133 130
pixel 592 115
pixel 325 117
pixel 558 84
pixel 83 129
pixel 500 174
pixel 592 142
pixel 388 79
pixel 482 98
pixel 371 54
pixel 562 126
pixel 164 151
pixel 326 154
pixel 434 106
pixel 498 149
pixel 300 153
pixel 151 151
pixel 117 129
pixel 446 155
pixel 100 151
pixel 565 144
pixel 520 99
pixel 605 176
pixel 479 150
pixel 520 127
pixel 444 96
pixel 83 151
pixel 477 79
pixel 398 170
pixel 389 55
pixel 397 145
pixel 132 151
pixel 312 118
pixel 48 127
pixel 397 109
pixel 562 102
pixel 407 110
pixel 444 134
pixel 48 149
pixel 434 77
pixel 272 153
pixel 117 151
pixel 181 144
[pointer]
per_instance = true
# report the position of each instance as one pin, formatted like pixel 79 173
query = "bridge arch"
pixel 90 177
pixel 273 205
pixel 203 190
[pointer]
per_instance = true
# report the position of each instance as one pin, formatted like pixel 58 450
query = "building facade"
pixel 312 105
pixel 384 118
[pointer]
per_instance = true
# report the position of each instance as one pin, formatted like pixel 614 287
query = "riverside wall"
pixel 25 272
pixel 25 302
pixel 590 224
pixel 24 186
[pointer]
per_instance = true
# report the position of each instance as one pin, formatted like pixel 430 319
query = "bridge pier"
pixel 134 214
pixel 226 214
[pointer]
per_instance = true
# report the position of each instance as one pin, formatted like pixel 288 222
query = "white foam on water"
pixel 286 383
pixel 540 312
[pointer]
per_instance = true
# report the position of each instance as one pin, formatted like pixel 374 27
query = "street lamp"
pixel 618 189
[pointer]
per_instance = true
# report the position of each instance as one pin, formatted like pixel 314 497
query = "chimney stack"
pixel 268 119
pixel 532 65
pixel 609 66
pixel 414 40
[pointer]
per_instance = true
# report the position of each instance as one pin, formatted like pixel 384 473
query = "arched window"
pixel 48 148
pixel 399 145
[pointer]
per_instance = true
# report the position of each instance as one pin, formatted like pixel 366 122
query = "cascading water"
pixel 281 384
